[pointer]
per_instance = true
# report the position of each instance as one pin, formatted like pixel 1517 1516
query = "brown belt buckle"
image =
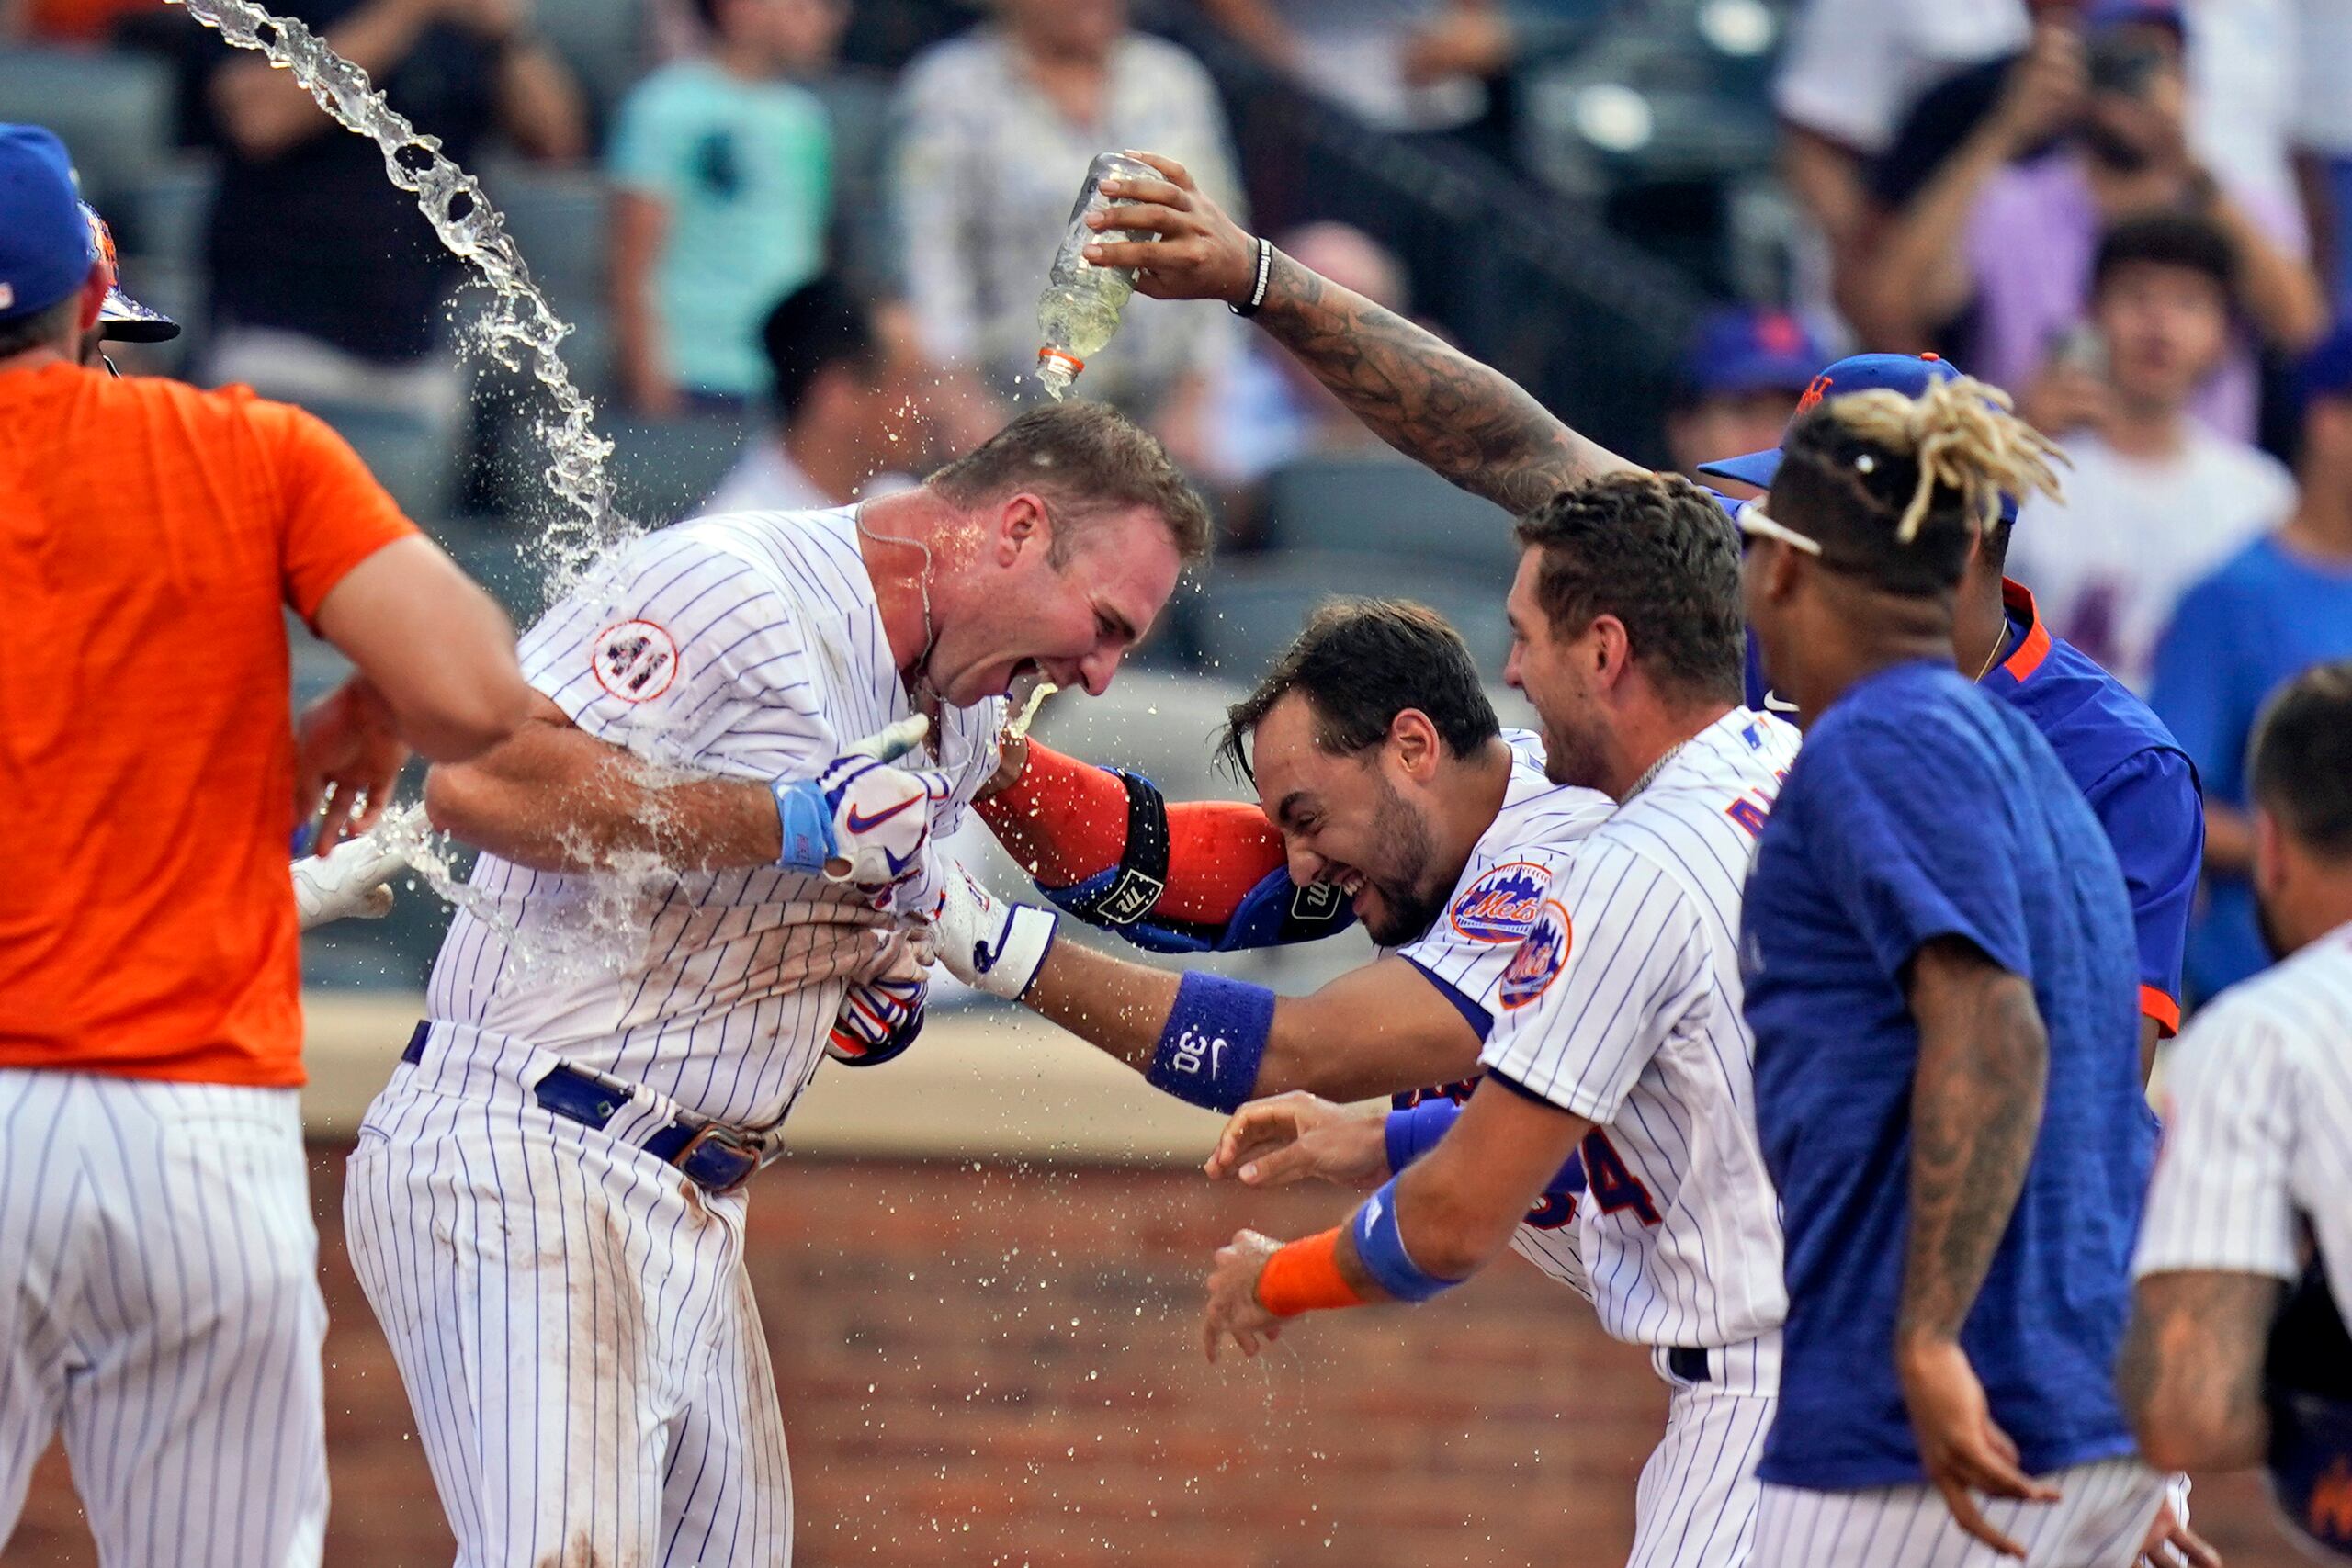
pixel 725 1138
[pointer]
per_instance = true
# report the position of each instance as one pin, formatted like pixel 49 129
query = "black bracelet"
pixel 1265 272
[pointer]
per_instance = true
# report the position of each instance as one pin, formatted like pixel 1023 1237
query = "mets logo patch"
pixel 635 660
pixel 1542 954
pixel 1499 906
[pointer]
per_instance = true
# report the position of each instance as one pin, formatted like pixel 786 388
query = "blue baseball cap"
pixel 2102 14
pixel 45 251
pixel 1739 349
pixel 2327 369
pixel 1908 374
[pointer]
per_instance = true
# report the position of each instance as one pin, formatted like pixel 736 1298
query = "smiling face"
pixel 1354 821
pixel 1015 611
pixel 1552 675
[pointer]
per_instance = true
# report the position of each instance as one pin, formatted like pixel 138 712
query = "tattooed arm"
pixel 1444 409
pixel 1976 1111
pixel 2192 1373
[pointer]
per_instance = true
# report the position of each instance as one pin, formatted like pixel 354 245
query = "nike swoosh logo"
pixel 857 824
pixel 1772 703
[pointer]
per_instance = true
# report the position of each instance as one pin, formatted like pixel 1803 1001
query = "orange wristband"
pixel 1305 1277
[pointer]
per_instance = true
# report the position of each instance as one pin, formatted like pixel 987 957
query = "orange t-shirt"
pixel 150 535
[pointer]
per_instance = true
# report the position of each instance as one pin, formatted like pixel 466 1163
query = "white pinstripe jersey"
pixel 748 645
pixel 1623 1005
pixel 1467 950
pixel 2258 1127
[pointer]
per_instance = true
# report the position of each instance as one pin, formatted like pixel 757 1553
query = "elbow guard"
pixel 1123 898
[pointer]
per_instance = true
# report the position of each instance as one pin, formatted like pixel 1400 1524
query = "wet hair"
pixel 1087 461
pixel 2184 240
pixel 812 329
pixel 1656 552
pixel 1896 489
pixel 1359 664
pixel 2300 763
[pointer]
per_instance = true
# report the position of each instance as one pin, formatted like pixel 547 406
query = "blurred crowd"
pixel 802 241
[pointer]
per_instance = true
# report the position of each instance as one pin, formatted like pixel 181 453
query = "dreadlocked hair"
pixel 1898 487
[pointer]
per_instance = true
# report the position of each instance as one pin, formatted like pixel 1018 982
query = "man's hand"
pixel 1234 1307
pixel 988 943
pixel 878 1020
pixel 861 821
pixel 347 752
pixel 1960 1448
pixel 1292 1136
pixel 1193 252
pixel 352 881
pixel 2044 92
pixel 2170 1541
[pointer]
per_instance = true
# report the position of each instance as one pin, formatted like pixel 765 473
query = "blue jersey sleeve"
pixel 2156 821
pixel 1906 845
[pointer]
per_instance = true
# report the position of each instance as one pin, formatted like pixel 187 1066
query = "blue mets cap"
pixel 2327 369
pixel 1740 349
pixel 1908 374
pixel 44 243
pixel 2100 14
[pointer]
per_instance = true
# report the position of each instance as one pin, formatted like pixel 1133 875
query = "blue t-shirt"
pixel 1922 807
pixel 2142 786
pixel 745 169
pixel 2263 617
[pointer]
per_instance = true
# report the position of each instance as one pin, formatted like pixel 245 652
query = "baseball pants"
pixel 164 1312
pixel 1695 1505
pixel 2098 1522
pixel 574 1327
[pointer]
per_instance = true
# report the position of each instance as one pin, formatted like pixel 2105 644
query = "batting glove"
pixel 862 820
pixel 879 1019
pixel 989 945
pixel 351 882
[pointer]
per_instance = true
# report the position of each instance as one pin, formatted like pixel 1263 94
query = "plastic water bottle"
pixel 1079 309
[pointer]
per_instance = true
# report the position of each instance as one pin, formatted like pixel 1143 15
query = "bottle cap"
pixel 1059 362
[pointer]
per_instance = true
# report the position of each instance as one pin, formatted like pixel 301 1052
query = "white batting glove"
pixel 862 820
pixel 351 882
pixel 988 943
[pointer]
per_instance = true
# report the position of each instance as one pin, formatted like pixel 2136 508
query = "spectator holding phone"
pixel 1991 258
pixel 2156 498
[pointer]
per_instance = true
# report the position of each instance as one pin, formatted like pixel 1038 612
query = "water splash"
pixel 519 327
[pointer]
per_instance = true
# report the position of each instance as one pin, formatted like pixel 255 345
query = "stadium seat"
pixel 1254 608
pixel 1388 506
pixel 113 112
pixel 557 218
pixel 407 455
pixel 664 469
pixel 602 41
pixel 165 216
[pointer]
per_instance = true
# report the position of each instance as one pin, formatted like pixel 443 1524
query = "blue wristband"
pixel 1381 1246
pixel 808 823
pixel 1214 1038
pixel 1414 1130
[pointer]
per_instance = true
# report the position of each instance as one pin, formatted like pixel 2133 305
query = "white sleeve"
pixel 684 654
pixel 1470 945
pixel 1835 76
pixel 1616 961
pixel 2221 1198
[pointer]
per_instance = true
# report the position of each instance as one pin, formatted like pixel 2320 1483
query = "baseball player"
pixel 2255 1174
pixel 1936 946
pixel 1397 792
pixel 163 1310
pixel 684 855
pixel 1470 423
pixel 1611 1027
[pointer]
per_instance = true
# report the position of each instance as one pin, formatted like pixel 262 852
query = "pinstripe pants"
pixel 1695 1505
pixel 576 1333
pixel 163 1308
pixel 2098 1522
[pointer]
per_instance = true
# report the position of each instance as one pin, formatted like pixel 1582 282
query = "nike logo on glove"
pixel 860 823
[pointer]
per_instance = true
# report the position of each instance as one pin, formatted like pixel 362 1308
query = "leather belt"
pixel 711 1154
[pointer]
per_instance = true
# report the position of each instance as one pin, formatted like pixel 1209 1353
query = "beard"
pixel 1408 908
pixel 1573 752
